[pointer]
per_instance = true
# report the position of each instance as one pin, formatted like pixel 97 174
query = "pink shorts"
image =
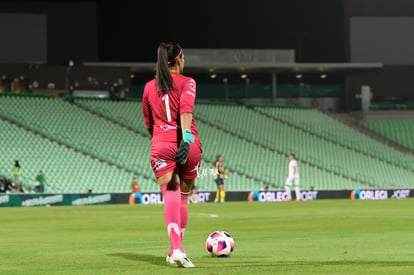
pixel 190 169
pixel 162 160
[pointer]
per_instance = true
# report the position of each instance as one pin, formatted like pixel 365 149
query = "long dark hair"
pixel 16 163
pixel 167 55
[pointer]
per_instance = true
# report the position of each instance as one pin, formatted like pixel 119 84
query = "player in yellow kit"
pixel 219 176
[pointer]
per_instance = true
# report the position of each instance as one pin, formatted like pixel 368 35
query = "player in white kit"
pixel 292 178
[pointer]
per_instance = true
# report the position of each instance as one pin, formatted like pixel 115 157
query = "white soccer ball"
pixel 220 244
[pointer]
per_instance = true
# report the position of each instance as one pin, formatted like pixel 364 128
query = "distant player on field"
pixel 292 178
pixel 194 192
pixel 136 194
pixel 219 175
pixel 167 104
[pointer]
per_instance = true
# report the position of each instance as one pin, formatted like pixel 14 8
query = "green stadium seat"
pixel 400 131
pixel 255 142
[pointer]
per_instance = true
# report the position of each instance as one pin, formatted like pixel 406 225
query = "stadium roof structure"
pixel 260 67
pixel 244 61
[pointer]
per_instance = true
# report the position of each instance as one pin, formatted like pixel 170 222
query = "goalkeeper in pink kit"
pixel 167 105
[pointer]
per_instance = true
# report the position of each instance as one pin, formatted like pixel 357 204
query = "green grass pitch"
pixel 316 237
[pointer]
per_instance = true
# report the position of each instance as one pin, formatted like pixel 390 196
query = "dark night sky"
pixel 130 30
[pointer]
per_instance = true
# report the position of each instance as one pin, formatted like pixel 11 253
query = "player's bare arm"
pixel 186 119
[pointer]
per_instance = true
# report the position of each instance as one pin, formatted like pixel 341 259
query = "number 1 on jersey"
pixel 167 106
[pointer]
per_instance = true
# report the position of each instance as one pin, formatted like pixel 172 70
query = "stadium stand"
pixel 401 131
pixel 226 129
pixel 249 123
pixel 265 166
pixel 79 129
pixel 67 171
pixel 316 123
pixel 129 114
pixel 254 140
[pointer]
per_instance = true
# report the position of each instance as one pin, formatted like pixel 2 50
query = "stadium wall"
pixel 72 31
pixel 27 200
pixel 388 82
pixel 56 79
pixel 394 80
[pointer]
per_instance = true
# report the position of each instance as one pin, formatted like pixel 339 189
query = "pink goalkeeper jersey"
pixel 162 110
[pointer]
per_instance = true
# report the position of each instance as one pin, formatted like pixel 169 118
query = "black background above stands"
pixel 131 30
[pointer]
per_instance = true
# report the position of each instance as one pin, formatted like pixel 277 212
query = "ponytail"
pixel 167 55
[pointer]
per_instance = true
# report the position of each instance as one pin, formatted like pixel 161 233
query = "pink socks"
pixel 184 212
pixel 172 200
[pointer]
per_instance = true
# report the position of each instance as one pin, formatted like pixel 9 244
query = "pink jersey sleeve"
pixel 146 110
pixel 188 95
